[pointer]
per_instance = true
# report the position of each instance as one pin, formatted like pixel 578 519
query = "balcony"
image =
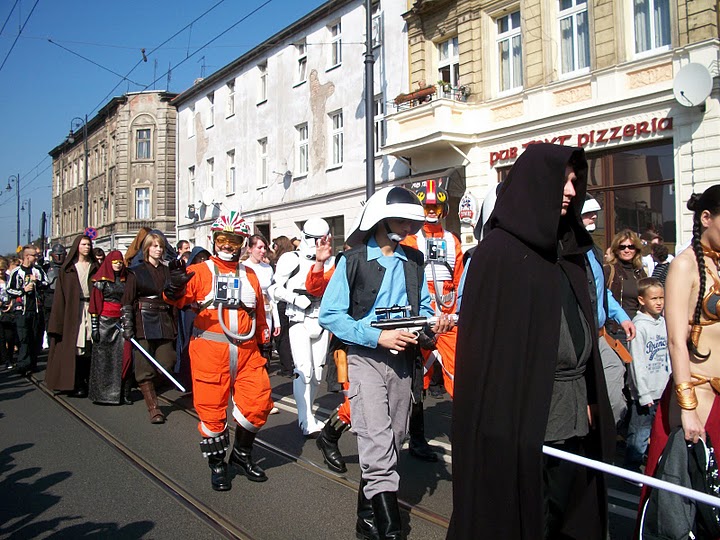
pixel 434 116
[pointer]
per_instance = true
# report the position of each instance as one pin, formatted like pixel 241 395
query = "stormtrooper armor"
pixel 308 340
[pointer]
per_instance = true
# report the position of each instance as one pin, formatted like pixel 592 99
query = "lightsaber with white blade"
pixel 156 364
pixel 633 476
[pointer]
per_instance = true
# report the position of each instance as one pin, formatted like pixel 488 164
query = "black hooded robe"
pixel 506 358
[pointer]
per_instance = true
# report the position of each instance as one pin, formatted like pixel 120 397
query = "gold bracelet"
pixel 688 402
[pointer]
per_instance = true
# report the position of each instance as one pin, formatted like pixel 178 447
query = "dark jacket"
pixel 64 323
pixel 507 351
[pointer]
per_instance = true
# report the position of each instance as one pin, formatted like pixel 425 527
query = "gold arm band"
pixel 689 401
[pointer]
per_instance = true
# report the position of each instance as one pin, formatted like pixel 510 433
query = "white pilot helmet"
pixel 590 205
pixel 392 202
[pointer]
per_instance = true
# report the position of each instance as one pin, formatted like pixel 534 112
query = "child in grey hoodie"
pixel 649 370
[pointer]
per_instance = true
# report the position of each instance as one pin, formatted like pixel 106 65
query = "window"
pixel 191 122
pixel 262 163
pixel 211 172
pixel 379 115
pixel 262 89
pixel 211 111
pixel 449 62
pixel 142 139
pixel 230 179
pixel 142 203
pixel 191 185
pixel 377 27
pixel 302 149
pixel 337 232
pixel 336 126
pixel 230 107
pixel 574 36
pixel 301 49
pixel 652 24
pixel 335 44
pixel 509 51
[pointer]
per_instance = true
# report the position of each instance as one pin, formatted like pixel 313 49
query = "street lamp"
pixel 77 121
pixel 15 179
pixel 28 202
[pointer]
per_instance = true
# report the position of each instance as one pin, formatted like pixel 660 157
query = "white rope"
pixel 633 476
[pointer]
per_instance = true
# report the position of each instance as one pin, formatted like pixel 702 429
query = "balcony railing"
pixel 424 95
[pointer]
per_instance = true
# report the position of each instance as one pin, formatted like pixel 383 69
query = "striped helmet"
pixel 231 223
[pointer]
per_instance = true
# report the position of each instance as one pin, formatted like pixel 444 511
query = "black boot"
pixel 365 528
pixel 387 516
pixel 214 449
pixel 327 442
pixel 241 455
pixel 125 393
pixel 419 448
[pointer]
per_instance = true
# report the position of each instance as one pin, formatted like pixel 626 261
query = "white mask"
pixel 227 257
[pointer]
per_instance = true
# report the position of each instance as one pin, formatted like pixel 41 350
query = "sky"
pixel 65 59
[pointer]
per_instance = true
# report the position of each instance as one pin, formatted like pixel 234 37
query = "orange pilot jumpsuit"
pixel 445 342
pixel 315 284
pixel 220 364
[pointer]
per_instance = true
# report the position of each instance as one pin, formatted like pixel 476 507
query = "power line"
pixel 102 102
pixel 94 63
pixel 244 18
pixel 8 17
pixel 20 32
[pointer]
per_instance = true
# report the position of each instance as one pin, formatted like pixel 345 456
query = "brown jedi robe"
pixel 64 323
pixel 507 351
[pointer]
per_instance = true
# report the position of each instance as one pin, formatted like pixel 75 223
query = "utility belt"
pixel 217 337
pixel 568 375
pixel 311 297
pixel 84 298
pixel 152 304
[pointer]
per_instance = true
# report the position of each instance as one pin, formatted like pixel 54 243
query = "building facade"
pixel 130 172
pixel 280 132
pixel 601 75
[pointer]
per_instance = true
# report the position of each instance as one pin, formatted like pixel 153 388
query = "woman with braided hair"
pixel 692 309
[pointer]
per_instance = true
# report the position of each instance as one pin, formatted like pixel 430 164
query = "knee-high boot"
pixel 241 455
pixel 365 528
pixel 214 449
pixel 419 447
pixel 387 516
pixel 327 442
pixel 148 391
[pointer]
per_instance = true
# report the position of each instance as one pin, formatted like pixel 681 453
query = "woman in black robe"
pixel 521 280
pixel 106 369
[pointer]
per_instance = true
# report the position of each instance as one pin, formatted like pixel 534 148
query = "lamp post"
pixel 77 121
pixel 28 202
pixel 369 104
pixel 15 179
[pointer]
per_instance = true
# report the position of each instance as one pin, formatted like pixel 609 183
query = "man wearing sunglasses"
pixel 224 349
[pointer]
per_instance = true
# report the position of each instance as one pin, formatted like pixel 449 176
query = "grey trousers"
pixel 380 395
pixel 614 379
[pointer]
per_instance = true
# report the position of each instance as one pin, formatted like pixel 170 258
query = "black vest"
pixel 365 277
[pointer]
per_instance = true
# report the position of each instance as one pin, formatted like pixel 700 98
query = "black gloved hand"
pixel 127 322
pixel 95 326
pixel 175 286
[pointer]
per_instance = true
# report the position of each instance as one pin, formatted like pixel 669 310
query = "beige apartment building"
pixel 487 78
pixel 130 172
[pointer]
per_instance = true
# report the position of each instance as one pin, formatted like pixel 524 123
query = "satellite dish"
pixel 692 85
pixel 207 196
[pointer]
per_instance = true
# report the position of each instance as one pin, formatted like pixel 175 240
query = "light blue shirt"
pixel 615 311
pixel 335 306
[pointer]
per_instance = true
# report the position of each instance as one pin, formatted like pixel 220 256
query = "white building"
pixel 280 132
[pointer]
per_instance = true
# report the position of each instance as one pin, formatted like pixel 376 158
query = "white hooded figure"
pixel 308 341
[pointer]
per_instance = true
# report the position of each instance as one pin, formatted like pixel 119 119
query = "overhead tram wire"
pixel 8 17
pixel 102 102
pixel 18 36
pixel 243 19
pixel 123 78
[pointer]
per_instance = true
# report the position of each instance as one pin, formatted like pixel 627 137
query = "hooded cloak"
pixel 64 322
pixel 507 352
